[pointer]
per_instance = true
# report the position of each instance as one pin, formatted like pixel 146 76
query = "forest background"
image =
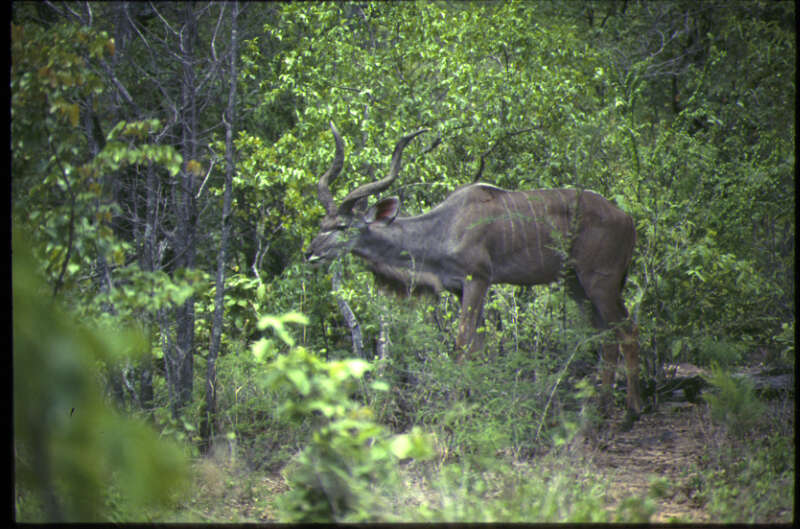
pixel 164 165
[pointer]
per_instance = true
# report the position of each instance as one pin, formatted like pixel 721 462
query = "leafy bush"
pixel 331 479
pixel 749 472
pixel 734 403
pixel 75 458
pixel 719 351
pixel 247 410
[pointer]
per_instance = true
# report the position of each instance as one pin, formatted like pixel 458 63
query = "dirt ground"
pixel 665 444
pixel 668 443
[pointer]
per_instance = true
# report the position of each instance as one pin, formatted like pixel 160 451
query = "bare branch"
pixel 153 7
pixel 497 142
pixel 214 36
pixel 119 86
pixel 435 143
pixel 69 10
pixel 208 173
pixel 88 13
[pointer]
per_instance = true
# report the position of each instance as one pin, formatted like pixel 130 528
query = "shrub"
pixel 76 459
pixel 734 403
pixel 752 482
pixel 331 478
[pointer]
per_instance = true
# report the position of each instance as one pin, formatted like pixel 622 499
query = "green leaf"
pixel 299 380
pixel 401 446
pixel 261 347
pixel 379 385
pixel 295 317
pixel 277 326
pixel 181 294
pixel 323 407
pixel 357 367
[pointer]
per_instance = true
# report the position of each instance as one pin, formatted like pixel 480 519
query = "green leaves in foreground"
pixel 334 478
pixel 76 460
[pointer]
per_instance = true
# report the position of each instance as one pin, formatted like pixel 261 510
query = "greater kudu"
pixel 481 234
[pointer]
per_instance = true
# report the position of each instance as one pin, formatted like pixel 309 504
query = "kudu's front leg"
pixel 472 298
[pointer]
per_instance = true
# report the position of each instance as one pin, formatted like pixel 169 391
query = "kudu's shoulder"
pixel 479 192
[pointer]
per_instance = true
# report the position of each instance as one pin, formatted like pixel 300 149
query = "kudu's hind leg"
pixel 608 365
pixel 628 337
pixel 627 340
pixel 610 313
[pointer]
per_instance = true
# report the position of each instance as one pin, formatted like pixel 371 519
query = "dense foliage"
pixel 164 165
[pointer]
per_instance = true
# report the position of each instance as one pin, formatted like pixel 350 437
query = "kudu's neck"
pixel 404 253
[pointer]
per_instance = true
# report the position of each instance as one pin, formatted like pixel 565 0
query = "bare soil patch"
pixel 665 444
pixel 668 443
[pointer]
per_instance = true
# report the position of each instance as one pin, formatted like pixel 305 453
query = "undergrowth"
pixel 347 428
pixel 748 473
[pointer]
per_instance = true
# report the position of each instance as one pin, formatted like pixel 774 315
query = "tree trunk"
pixel 149 262
pixel 181 351
pixel 349 318
pixel 208 421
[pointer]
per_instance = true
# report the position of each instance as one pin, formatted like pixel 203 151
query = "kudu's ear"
pixel 384 211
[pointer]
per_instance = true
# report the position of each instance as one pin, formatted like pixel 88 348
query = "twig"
pixel 508 135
